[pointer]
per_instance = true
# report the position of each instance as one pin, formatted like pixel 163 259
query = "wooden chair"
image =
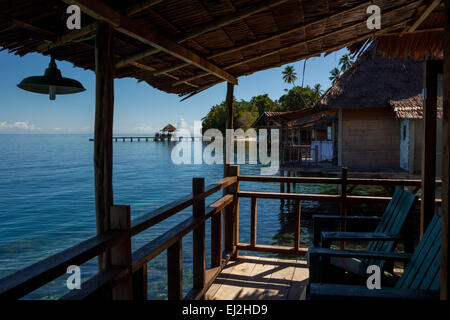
pixel 420 280
pixel 384 239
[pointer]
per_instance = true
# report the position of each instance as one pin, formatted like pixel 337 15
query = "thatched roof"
pixel 374 81
pixel 186 46
pixel 169 128
pixel 422 38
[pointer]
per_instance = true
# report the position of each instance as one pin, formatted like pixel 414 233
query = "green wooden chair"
pixel 420 280
pixel 383 239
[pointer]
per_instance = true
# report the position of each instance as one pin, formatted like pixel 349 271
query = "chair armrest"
pixel 317 219
pixel 358 236
pixel 361 254
pixel 336 291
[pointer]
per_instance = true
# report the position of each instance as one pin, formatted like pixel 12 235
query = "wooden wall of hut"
pixel 371 138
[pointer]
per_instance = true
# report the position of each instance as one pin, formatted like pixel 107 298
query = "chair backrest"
pixel 392 221
pixel 423 271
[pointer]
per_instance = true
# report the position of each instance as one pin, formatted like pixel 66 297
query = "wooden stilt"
pixel 103 143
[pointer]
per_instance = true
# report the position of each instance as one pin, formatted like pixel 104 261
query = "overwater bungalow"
pixel 185 47
pixel 370 121
pixel 167 132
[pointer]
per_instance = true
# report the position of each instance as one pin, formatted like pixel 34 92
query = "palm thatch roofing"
pixel 169 128
pixel 187 46
pixel 374 81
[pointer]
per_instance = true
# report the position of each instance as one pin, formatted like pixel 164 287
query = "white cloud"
pixel 19 126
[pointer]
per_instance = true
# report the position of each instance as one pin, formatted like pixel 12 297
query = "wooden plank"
pixel 175 271
pixel 229 102
pixel 234 171
pixel 216 240
pixel 299 283
pixel 103 131
pixel 253 229
pixel 147 35
pixel 198 240
pixel 445 249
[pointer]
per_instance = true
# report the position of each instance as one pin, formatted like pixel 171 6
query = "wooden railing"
pixel 126 276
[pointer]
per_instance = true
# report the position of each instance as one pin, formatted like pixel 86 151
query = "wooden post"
pixel 297 212
pixel 140 279
pixel 343 206
pixel 121 254
pixel 282 183
pixel 216 240
pixel 427 205
pixel 253 221
pixel 103 143
pixel 288 185
pixel 175 271
pixel 232 216
pixel 198 210
pixel 229 125
pixel 446 159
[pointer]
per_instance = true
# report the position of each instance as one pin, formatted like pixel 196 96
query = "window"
pixel 330 133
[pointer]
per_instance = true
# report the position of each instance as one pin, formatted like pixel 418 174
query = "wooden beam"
pixel 301 43
pixel 445 251
pixel 275 36
pixel 433 5
pixel 27 26
pixel 314 54
pixel 103 142
pixel 147 35
pixel 214 25
pixel 229 102
pixel 413 32
pixel 427 206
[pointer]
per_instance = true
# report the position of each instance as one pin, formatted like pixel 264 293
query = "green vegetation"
pixel 247 112
pixel 345 62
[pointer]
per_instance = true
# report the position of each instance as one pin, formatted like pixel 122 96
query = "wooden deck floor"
pixel 254 278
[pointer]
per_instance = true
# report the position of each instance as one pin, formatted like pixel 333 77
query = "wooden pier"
pixel 148 138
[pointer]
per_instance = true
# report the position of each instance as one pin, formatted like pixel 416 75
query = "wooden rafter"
pixel 27 26
pixel 275 36
pixel 314 54
pixel 290 46
pixel 147 35
pixel 141 6
pixel 219 23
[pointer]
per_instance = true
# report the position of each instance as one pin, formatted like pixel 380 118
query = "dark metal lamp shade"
pixel 51 83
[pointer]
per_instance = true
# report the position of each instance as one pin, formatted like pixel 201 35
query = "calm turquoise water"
pixel 47 202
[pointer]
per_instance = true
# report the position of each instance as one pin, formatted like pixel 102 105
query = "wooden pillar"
pixel 343 205
pixel 427 206
pixel 445 159
pixel 103 143
pixel 229 125
pixel 198 241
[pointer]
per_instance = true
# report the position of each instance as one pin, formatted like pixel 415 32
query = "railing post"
pixel 343 206
pixel 253 221
pixel 198 187
pixel 175 271
pixel 121 254
pixel 232 215
pixel 216 240
pixel 140 279
pixel 297 212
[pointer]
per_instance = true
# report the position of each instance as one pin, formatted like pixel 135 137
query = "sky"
pixel 138 107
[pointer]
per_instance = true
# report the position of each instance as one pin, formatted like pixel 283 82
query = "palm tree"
pixel 289 75
pixel 317 91
pixel 335 74
pixel 345 62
